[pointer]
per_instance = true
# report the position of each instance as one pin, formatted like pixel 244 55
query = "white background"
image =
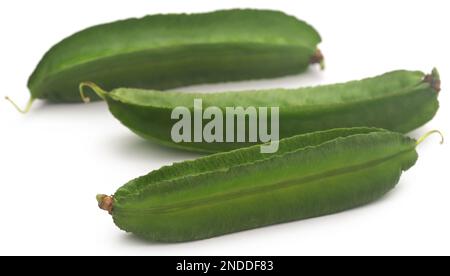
pixel 54 160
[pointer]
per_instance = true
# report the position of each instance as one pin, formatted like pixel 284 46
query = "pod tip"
pixel 27 107
pixel 100 92
pixel 434 80
pixel 105 202
pixel 318 58
pixel 424 137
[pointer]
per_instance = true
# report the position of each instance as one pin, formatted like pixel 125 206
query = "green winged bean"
pixel 311 175
pixel 399 101
pixel 172 50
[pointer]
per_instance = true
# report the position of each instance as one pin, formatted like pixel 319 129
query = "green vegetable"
pixel 311 175
pixel 399 101
pixel 166 51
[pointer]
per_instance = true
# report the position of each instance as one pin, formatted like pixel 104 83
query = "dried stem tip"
pixel 434 80
pixel 105 202
pixel 318 58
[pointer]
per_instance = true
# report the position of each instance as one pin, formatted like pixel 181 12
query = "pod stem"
pixel 99 91
pixel 423 138
pixel 318 58
pixel 434 80
pixel 105 202
pixel 27 107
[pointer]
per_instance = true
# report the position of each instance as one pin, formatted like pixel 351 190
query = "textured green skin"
pixel 166 51
pixel 311 175
pixel 399 101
